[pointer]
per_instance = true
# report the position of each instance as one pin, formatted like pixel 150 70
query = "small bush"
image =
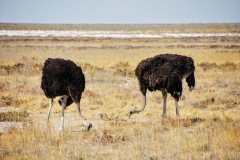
pixel 14 116
pixel 123 69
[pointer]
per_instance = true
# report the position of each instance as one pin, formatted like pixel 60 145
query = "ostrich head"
pixel 174 86
pixel 191 81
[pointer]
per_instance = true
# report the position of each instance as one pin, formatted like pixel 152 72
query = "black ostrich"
pixel 63 78
pixel 165 73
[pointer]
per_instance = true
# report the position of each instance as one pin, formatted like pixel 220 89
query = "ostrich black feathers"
pixel 165 71
pixel 62 77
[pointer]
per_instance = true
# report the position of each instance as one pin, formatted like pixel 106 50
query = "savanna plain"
pixel 209 124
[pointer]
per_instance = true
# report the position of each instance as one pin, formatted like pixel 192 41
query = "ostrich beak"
pixel 130 114
pixel 191 88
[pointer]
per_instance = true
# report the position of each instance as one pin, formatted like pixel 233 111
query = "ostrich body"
pixel 165 73
pixel 63 78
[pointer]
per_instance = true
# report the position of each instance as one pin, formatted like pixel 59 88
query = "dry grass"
pixel 209 127
pixel 119 140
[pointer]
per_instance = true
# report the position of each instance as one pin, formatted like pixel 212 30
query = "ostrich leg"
pixel 164 93
pixel 49 110
pixel 86 123
pixel 64 103
pixel 176 104
pixel 144 101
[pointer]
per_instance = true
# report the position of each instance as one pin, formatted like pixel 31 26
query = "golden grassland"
pixel 209 127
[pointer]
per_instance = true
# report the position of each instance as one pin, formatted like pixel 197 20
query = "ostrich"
pixel 165 73
pixel 63 78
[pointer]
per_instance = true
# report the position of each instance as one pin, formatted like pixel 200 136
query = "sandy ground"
pixel 71 121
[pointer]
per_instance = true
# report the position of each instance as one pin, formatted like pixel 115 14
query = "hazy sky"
pixel 120 11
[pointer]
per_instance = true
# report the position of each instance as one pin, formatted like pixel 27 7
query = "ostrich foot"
pixel 89 127
pixel 164 117
pixel 177 118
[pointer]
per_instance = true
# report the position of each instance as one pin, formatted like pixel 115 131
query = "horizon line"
pixel 119 23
